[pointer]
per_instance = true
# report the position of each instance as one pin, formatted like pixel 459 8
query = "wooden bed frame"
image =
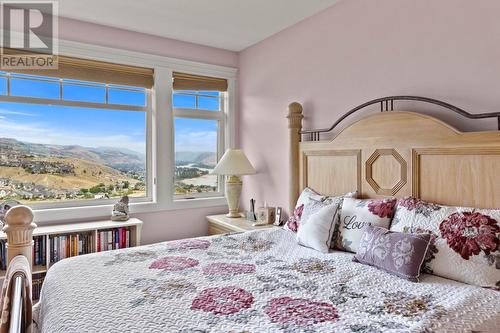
pixel 393 153
pixel 19 228
pixel 398 153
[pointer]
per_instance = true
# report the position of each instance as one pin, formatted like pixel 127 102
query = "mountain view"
pixel 192 172
pixel 32 172
pixel 40 172
pixel 52 153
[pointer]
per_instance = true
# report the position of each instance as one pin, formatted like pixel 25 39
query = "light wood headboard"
pixel 398 153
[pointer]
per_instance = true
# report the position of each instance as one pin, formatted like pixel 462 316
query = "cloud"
pixel 196 141
pixel 44 133
pixel 41 133
pixel 17 113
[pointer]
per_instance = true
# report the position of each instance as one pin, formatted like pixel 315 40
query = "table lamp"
pixel 233 164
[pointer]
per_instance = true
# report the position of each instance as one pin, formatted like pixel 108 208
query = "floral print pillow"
pixel 356 215
pixel 309 203
pixel 464 241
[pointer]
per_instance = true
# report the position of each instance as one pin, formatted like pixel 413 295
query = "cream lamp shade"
pixel 233 163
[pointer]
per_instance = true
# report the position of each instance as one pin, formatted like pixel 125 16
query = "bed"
pixel 258 281
pixel 263 281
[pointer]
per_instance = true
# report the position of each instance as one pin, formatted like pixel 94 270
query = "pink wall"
pixel 176 224
pixel 358 50
pixel 90 33
pixel 166 225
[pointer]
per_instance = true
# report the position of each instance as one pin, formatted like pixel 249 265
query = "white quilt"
pixel 258 281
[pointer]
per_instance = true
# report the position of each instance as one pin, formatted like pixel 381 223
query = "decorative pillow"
pixel 310 202
pixel 317 232
pixel 464 241
pixel 356 214
pixel 398 253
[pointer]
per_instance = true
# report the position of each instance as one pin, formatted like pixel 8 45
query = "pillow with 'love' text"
pixel 356 214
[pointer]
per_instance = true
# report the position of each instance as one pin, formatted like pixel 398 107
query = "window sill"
pixel 68 214
pixel 198 203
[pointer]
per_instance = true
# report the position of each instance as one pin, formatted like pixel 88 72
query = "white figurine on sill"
pixel 121 210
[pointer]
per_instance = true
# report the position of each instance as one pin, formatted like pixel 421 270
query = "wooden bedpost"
pixel 295 125
pixel 19 229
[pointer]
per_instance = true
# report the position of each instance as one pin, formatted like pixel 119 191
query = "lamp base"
pixel 233 215
pixel 233 192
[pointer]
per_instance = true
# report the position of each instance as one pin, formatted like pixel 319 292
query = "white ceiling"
pixel 228 24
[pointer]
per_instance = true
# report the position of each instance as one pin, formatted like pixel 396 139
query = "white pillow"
pixel 317 232
pixel 308 203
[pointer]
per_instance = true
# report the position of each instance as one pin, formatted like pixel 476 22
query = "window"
pixel 199 123
pixel 73 137
pixel 71 142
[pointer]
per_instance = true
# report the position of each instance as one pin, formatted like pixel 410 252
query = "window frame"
pixel 147 109
pixel 160 138
pixel 220 116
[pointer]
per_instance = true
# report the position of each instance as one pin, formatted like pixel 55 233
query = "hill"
pixel 86 174
pixel 125 160
pixel 37 172
pixel 205 158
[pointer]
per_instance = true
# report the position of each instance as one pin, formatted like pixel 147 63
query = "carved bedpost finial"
pixel 19 228
pixel 295 117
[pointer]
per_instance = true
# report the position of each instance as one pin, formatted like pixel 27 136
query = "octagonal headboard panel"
pixel 400 153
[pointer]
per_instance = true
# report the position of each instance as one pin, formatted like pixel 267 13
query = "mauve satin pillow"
pixel 398 253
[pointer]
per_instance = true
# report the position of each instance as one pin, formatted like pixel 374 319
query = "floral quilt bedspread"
pixel 258 281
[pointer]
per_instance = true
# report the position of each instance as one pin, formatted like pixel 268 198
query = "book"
pixel 3 254
pixel 116 238
pixel 37 281
pixel 123 236
pixel 98 241
pixel 110 240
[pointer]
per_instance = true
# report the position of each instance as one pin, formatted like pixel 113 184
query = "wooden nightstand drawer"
pixel 215 229
pixel 220 224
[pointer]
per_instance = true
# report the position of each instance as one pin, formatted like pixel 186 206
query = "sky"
pixel 64 125
pixel 197 135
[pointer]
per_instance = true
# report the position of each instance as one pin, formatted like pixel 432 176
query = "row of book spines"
pixel 36 284
pixel 70 245
pixel 39 250
pixel 3 255
pixel 64 246
pixel 113 239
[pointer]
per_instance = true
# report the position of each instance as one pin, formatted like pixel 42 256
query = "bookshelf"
pixel 57 242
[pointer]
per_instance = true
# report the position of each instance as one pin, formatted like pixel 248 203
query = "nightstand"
pixel 220 224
